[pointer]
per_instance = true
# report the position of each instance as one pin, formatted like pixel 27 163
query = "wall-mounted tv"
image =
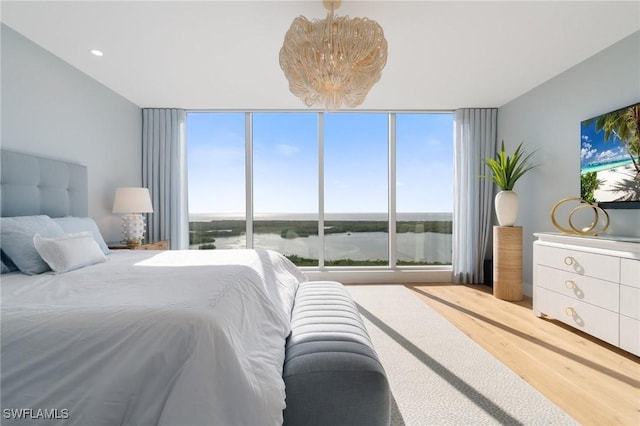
pixel 610 158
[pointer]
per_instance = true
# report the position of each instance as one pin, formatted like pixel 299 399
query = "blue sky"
pixel 285 164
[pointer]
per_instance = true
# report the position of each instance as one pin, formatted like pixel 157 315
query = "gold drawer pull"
pixel 570 312
pixel 570 284
pixel 569 260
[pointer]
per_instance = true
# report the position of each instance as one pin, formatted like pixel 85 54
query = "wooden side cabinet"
pixel 157 245
pixel 507 262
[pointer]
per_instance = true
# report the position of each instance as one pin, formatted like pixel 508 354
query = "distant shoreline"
pixel 414 217
pixel 204 231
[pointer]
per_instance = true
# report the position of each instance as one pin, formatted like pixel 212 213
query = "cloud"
pixel 287 150
pixel 587 152
pixel 610 155
pixel 205 155
pixel 586 138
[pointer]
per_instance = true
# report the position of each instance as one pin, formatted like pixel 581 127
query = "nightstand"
pixel 157 245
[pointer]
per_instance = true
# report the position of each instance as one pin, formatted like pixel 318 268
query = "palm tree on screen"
pixel 623 125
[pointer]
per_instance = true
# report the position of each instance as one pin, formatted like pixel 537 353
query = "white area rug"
pixel 440 376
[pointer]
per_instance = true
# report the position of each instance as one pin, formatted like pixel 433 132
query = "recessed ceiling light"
pixel 96 52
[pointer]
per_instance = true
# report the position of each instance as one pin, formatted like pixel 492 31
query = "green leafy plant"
pixel 588 184
pixel 506 170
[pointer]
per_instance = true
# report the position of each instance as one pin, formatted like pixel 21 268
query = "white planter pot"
pixel 506 203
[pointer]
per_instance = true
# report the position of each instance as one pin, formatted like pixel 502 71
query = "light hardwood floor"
pixel 592 381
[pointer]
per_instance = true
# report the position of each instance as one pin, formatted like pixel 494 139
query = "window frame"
pixel 411 273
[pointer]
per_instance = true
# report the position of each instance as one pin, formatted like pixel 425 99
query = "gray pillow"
pixel 6 264
pixel 17 240
pixel 74 225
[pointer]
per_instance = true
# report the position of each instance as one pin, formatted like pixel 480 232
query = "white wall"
pixel 53 110
pixel 548 119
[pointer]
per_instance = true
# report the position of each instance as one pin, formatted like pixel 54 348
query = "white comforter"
pixel 170 338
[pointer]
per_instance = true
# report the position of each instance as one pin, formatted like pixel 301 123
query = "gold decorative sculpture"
pixel 593 229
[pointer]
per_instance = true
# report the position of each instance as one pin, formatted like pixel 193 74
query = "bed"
pixel 165 337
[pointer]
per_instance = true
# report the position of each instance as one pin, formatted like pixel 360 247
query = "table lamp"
pixel 132 202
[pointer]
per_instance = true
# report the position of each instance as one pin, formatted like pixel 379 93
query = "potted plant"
pixel 506 170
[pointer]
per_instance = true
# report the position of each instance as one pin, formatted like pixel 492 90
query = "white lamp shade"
pixel 132 200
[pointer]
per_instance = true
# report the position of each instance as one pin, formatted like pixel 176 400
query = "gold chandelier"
pixel 333 61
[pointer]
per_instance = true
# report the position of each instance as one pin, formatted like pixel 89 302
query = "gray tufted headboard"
pixel 31 185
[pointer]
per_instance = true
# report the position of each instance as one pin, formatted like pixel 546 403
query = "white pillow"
pixel 69 252
pixel 73 225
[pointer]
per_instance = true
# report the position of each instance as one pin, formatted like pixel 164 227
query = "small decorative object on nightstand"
pixel 157 245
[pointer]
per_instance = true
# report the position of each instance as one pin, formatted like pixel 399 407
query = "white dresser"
pixel 591 283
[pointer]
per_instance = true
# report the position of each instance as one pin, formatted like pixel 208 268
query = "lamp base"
pixel 133 228
pixel 132 243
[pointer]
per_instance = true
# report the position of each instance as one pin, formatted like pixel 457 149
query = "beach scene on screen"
pixel 609 156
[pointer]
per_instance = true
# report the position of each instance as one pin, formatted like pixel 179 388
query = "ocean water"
pixel 424 247
pixel 417 247
pixel 598 167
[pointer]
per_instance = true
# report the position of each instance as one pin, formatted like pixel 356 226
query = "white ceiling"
pixel 224 54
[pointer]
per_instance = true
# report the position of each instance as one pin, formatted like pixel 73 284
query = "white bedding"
pixel 169 338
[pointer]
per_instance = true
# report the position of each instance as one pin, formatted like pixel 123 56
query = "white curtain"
pixel 474 139
pixel 164 172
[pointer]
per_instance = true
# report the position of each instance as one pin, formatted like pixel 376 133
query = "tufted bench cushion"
pixel 331 372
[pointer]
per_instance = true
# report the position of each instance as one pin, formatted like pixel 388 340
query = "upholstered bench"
pixel 331 371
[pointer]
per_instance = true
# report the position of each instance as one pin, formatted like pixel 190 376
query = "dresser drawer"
pixel 579 262
pixel 591 290
pixel 630 272
pixel 630 335
pixel 630 301
pixel 593 320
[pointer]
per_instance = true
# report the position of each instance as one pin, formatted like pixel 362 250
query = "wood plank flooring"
pixel 592 381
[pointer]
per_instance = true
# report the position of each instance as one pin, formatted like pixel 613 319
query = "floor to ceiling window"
pixel 356 189
pixel 325 189
pixel 285 184
pixel 424 188
pixel 216 180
